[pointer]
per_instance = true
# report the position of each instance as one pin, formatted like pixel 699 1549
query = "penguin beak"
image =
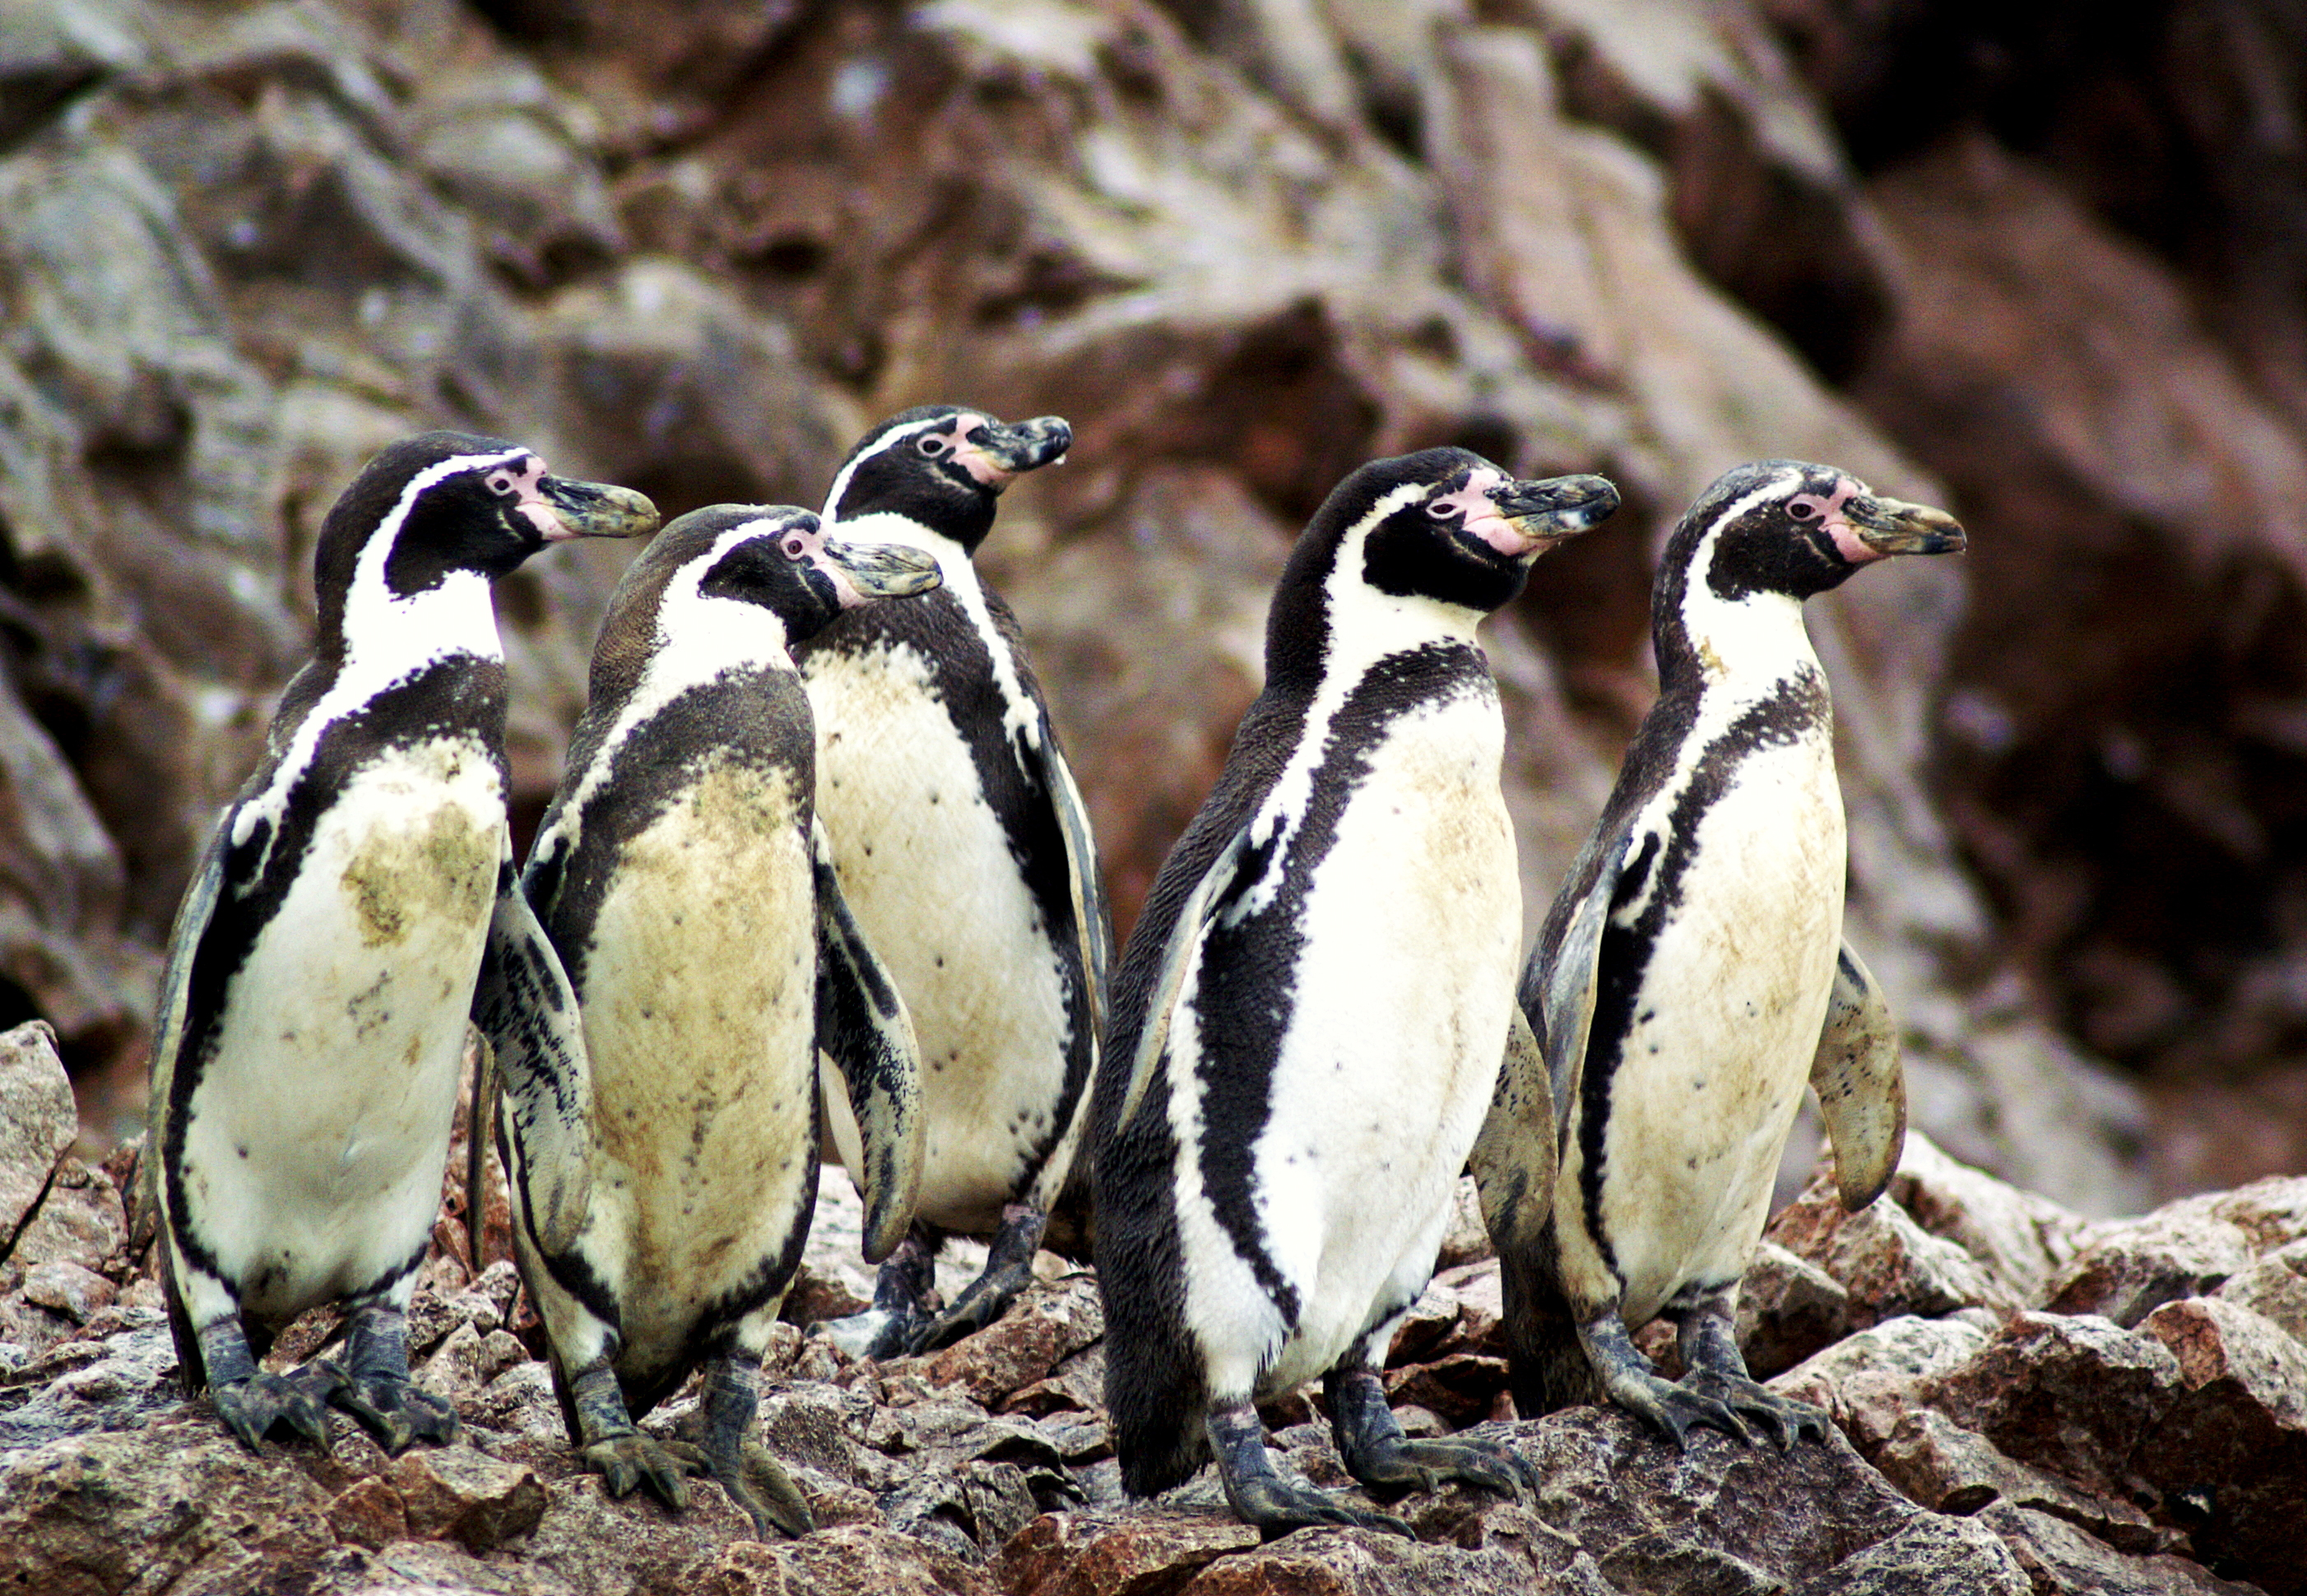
pixel 997 454
pixel 1889 527
pixel 1546 510
pixel 592 509
pixel 862 572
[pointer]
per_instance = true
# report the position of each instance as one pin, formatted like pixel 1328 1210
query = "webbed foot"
pixel 1784 1419
pixel 1259 1495
pixel 397 1412
pixel 251 1406
pixel 625 1460
pixel 1716 1368
pixel 886 1329
pixel 251 1400
pixel 1379 1455
pixel 1629 1380
pixel 754 1479
pixel 373 1385
pixel 1008 1271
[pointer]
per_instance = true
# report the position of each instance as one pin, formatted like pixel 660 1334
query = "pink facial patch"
pixel 1827 513
pixel 1480 511
pixel 973 460
pixel 528 500
pixel 799 543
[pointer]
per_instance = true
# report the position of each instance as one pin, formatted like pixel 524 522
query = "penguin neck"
pixel 694 640
pixel 1705 641
pixel 1324 638
pixel 1019 718
pixel 378 637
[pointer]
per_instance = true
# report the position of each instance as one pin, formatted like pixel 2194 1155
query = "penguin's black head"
pixel 1443 525
pixel 439 504
pixel 778 558
pixel 943 466
pixel 1788 527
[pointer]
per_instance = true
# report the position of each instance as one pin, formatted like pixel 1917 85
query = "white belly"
pixel 927 871
pixel 1714 1068
pixel 316 1137
pixel 1402 1000
pixel 699 1010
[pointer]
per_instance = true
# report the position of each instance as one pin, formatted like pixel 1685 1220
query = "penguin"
pixel 965 852
pixel 1315 1004
pixel 312 1010
pixel 1691 973
pixel 657 988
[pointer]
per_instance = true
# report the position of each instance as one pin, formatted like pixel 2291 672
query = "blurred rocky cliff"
pixel 2042 263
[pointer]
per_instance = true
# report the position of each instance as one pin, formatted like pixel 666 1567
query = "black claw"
pixel 626 1461
pixel 1008 1271
pixel 1260 1496
pixel 251 1407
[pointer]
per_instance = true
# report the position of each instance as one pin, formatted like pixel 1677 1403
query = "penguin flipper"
pixel 192 924
pixel 863 1027
pixel 1177 956
pixel 1862 1092
pixel 1093 919
pixel 535 1040
pixel 1559 984
pixel 1515 1158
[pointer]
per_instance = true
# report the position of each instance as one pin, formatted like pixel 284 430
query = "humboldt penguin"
pixel 1310 1016
pixel 964 851
pixel 313 1013
pixel 1692 972
pixel 658 987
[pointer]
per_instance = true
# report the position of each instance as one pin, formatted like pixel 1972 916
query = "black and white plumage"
pixel 1309 1017
pixel 656 1018
pixel 313 1011
pixel 1690 975
pixel 964 849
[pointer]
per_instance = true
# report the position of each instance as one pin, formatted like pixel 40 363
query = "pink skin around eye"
pixel 973 460
pixel 1827 513
pixel 529 502
pixel 1473 501
pixel 810 546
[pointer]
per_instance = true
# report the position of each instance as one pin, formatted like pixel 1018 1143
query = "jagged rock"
pixel 1932 1557
pixel 2275 1288
pixel 833 1563
pixel 1722 1516
pixel 1947 1468
pixel 2019 1238
pixel 1868 1381
pixel 1788 1309
pixel 1886 1264
pixel 2229 1452
pixel 1025 1344
pixel 2072 1395
pixel 458 1494
pixel 1115 1553
pixel 2185 1248
pixel 38 1122
pixel 2059 1558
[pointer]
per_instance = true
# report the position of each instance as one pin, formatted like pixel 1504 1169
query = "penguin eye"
pixel 1804 510
pixel 934 444
pixel 796 546
pixel 1441 510
pixel 501 482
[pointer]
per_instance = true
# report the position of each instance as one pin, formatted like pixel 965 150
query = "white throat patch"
pixel 1366 626
pixel 388 639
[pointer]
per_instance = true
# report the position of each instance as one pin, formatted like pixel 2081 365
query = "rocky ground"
pixel 2024 1402
pixel 2038 268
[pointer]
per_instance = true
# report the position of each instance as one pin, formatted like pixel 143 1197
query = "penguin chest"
pixel 1722 1026
pixel 1407 929
pixel 698 1000
pixel 315 1135
pixel 932 876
